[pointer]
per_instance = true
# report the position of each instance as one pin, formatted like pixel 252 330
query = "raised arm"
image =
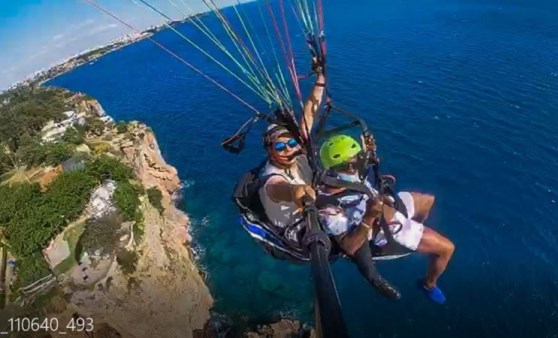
pixel 313 102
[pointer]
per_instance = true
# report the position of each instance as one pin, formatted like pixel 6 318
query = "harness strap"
pixel 235 143
pixel 358 187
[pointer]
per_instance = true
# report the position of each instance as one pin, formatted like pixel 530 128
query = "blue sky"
pixel 35 34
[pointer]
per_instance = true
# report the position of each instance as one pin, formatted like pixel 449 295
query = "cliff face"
pixel 166 295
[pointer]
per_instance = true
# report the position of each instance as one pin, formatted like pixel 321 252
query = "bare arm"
pixel 280 190
pixel 351 242
pixel 311 106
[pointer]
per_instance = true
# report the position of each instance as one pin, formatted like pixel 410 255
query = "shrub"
pixel 101 149
pixel 94 126
pixel 74 135
pixel 6 163
pixel 155 198
pixel 121 127
pixel 139 227
pixel 106 167
pixel 31 152
pixel 126 198
pixel 31 269
pixel 127 259
pixel 100 235
pixel 57 153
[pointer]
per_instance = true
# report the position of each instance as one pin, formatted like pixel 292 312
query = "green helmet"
pixel 338 149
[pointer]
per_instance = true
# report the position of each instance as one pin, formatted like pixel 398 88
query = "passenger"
pixel 352 218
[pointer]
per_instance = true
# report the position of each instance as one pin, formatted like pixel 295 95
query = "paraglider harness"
pixel 252 214
pixel 316 246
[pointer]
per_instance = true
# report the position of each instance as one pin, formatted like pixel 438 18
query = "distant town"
pixel 92 54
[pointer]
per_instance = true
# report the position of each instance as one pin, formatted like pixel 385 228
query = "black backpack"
pixel 246 192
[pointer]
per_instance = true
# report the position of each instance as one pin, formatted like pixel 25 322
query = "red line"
pixel 321 24
pixel 283 48
pixel 291 55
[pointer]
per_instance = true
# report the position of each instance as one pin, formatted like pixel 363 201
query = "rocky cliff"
pixel 166 295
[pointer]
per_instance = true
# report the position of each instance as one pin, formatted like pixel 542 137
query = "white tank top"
pixel 282 214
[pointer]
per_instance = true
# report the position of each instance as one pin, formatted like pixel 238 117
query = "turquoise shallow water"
pixel 463 99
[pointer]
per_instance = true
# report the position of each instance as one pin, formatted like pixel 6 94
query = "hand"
pixel 370 142
pixel 374 207
pixel 301 192
pixel 317 66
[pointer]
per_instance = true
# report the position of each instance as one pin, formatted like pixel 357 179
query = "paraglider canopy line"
pixel 215 82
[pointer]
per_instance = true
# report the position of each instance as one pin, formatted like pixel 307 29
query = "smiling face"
pixel 283 148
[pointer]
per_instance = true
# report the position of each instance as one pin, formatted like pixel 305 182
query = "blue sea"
pixel 462 96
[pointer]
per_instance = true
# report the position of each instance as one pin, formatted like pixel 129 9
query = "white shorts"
pixel 409 232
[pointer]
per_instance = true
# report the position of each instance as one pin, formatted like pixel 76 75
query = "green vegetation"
pixel 57 153
pixel 127 259
pixel 100 236
pixel 155 198
pixel 106 167
pixel 74 135
pixel 126 198
pixel 139 227
pixel 51 301
pixel 121 127
pixel 31 269
pixel 94 126
pixel 32 153
pixel 6 163
pixel 30 218
pixel 25 111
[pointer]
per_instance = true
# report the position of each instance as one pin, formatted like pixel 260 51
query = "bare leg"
pixel 423 204
pixel 440 250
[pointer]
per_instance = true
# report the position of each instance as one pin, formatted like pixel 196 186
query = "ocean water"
pixel 462 96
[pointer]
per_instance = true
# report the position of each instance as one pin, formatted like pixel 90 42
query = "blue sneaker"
pixel 435 294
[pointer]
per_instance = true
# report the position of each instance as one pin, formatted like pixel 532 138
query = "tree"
pixel 127 200
pixel 31 152
pixel 57 153
pixel 32 218
pixel 106 167
pixel 101 235
pixel 155 197
pixel 6 163
pixel 12 126
pixel 74 135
